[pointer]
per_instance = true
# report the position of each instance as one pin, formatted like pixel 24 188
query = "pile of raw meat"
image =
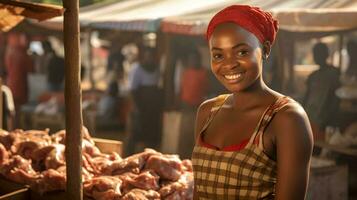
pixel 36 158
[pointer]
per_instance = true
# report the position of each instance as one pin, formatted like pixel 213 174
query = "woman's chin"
pixel 235 88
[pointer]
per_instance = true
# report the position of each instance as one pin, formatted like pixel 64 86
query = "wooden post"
pixel 73 99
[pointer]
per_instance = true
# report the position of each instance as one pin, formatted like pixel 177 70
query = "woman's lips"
pixel 234 78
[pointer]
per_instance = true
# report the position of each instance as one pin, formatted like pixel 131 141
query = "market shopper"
pixel 321 102
pixel 253 143
pixel 108 107
pixel 352 54
pixel 146 116
pixel 115 60
pixel 18 66
pixel 193 91
pixel 54 67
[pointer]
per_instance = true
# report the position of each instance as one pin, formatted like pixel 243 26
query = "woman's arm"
pixel 294 144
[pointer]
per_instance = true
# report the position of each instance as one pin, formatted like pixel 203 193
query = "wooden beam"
pixel 73 99
pixel 39 11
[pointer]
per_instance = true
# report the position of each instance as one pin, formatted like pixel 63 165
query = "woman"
pixel 254 143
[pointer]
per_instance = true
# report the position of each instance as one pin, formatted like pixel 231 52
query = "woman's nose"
pixel 230 62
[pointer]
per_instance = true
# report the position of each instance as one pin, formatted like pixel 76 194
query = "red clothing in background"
pixel 18 65
pixel 194 85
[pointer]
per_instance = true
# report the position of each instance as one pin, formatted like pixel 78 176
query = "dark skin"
pixel 237 61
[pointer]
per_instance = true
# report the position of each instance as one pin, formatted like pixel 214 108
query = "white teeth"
pixel 233 76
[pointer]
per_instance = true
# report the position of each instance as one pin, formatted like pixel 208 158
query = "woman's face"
pixel 236 57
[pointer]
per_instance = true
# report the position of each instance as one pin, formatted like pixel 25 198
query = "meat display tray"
pixel 10 190
pixel 14 191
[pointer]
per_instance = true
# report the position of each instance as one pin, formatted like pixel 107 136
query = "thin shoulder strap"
pixel 280 103
pixel 266 117
pixel 217 105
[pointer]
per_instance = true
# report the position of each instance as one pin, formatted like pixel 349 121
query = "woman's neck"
pixel 259 93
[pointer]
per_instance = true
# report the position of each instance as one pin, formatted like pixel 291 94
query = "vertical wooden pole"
pixel 73 99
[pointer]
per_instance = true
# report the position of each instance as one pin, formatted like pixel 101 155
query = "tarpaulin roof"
pixel 293 15
pixel 137 15
pixel 13 11
pixel 89 13
pixel 191 16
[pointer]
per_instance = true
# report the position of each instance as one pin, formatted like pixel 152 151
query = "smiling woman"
pixel 254 143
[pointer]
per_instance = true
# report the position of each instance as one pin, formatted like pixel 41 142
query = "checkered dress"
pixel 245 174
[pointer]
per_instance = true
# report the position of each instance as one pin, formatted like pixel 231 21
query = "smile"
pixel 233 77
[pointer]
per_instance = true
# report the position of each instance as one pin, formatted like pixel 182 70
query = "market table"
pixel 336 148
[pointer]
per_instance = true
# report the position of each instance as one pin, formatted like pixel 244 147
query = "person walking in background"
pixel 108 107
pixel 115 69
pixel 352 54
pixel 320 101
pixel 147 97
pixel 193 91
pixel 18 65
pixel 115 59
pixel 54 66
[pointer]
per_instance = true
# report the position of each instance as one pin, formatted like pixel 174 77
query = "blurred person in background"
pixel 352 54
pixel 348 90
pixel 2 55
pixel 18 65
pixel 115 60
pixel 320 101
pixel 54 67
pixel 108 107
pixel 193 91
pixel 147 98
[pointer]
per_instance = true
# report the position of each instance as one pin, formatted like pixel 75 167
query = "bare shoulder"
pixel 291 116
pixel 205 107
pixel 291 110
pixel 292 123
pixel 203 113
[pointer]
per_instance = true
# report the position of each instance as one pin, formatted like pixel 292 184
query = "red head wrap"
pixel 253 19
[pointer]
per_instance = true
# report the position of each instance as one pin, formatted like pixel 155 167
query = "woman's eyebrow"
pixel 234 47
pixel 239 45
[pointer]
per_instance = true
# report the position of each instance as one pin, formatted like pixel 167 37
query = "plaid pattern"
pixel 245 174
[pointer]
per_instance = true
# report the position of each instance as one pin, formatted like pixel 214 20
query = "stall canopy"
pixel 13 12
pixel 296 16
pixel 137 15
pixel 190 17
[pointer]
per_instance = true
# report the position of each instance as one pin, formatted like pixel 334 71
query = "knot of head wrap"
pixel 253 19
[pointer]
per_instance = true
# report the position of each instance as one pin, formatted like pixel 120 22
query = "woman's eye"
pixel 217 57
pixel 242 53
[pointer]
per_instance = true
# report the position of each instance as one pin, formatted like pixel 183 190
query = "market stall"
pixel 67 157
pixel 183 21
